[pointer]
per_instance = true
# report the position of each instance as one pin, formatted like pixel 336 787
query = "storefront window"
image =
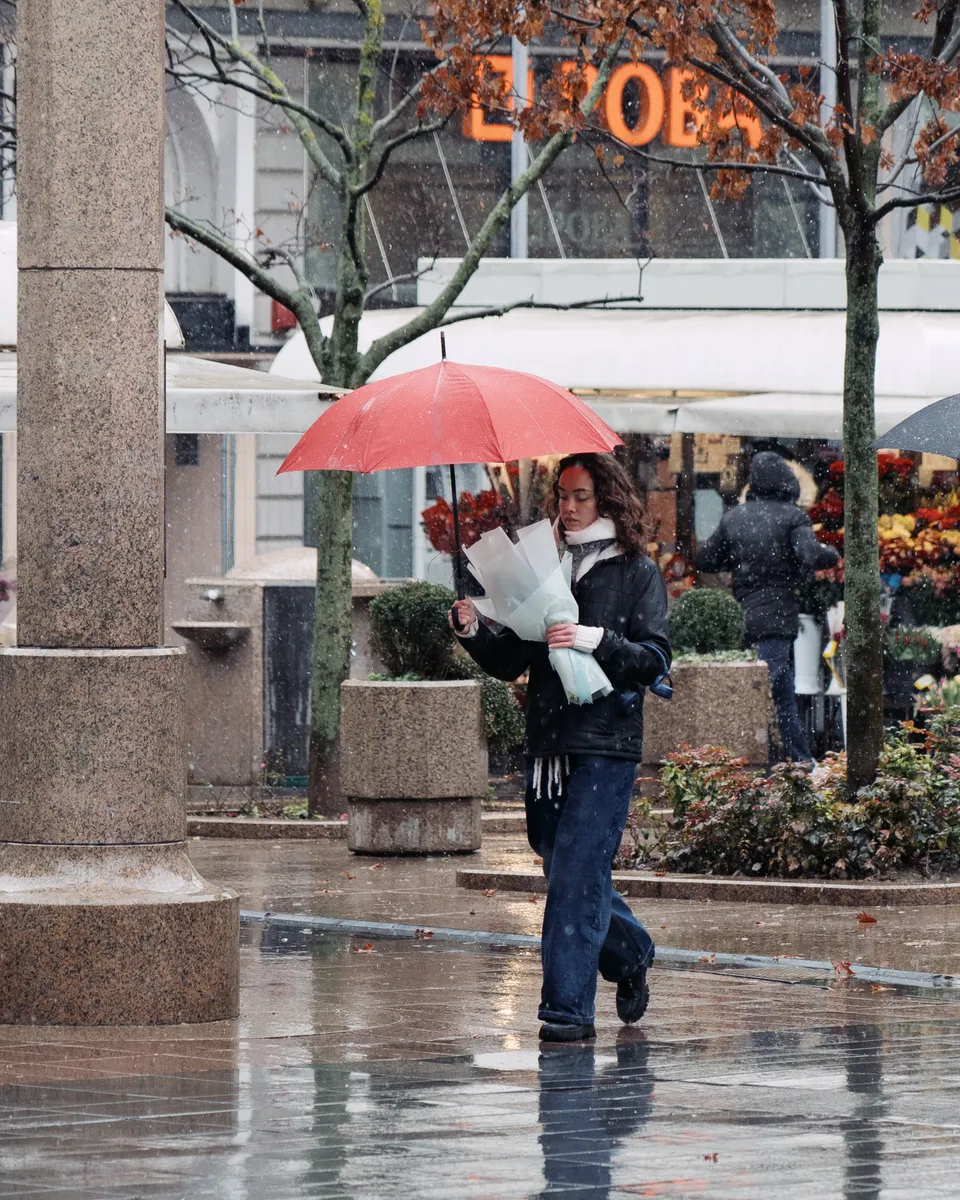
pixel 437 191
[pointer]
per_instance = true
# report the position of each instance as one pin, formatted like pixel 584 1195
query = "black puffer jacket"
pixel 770 546
pixel 626 596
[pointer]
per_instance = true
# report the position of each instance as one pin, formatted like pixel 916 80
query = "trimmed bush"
pixel 730 820
pixel 411 634
pixel 704 620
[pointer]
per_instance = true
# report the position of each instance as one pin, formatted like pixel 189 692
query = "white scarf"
pixel 602 531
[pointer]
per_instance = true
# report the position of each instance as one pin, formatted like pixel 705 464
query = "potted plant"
pixel 414 739
pixel 721 693
pixel 909 653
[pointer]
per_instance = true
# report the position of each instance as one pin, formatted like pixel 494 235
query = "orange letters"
pixel 475 124
pixel 651 104
pixel 663 109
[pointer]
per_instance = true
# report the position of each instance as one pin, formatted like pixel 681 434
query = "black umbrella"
pixel 935 429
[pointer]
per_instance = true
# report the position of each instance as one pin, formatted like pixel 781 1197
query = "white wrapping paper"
pixel 528 590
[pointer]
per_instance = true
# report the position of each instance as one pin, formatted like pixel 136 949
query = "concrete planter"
pixel 413 766
pixel 714 704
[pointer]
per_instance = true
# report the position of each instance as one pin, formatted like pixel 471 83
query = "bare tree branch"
pixel 276 91
pixel 382 157
pixel 406 277
pixel 500 310
pixel 735 49
pixel 300 301
pixel 917 200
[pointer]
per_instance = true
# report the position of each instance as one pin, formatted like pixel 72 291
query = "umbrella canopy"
pixel 449 413
pixel 934 428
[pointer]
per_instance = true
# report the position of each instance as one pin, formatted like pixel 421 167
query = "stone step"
pixel 273 827
pixel 667 886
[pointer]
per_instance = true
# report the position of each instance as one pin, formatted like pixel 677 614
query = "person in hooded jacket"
pixel 769 545
pixel 581 760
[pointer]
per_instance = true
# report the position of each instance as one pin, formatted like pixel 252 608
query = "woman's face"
pixel 578 501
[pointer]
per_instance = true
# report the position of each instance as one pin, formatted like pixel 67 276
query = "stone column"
pixel 103 919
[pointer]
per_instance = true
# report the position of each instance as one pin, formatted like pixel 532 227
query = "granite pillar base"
pixel 103 919
pixel 113 935
pixel 384 827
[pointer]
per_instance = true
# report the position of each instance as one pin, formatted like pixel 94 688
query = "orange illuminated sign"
pixel 664 111
pixel 475 124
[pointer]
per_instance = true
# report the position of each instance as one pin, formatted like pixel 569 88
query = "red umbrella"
pixel 449 413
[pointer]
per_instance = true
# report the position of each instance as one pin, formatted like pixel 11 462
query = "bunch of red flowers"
pixel 478 515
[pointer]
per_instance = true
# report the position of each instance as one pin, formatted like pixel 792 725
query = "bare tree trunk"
pixel 332 634
pixel 863 650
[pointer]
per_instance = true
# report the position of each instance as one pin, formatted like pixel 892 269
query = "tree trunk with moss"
pixel 863 649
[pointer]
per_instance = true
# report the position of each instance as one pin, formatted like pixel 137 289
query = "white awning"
pixel 770 373
pixel 204 396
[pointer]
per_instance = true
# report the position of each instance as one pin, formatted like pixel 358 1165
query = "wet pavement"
pixel 411 1069
pixel 366 1067
pixel 324 878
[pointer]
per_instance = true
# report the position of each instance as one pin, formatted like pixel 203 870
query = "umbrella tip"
pixel 443 344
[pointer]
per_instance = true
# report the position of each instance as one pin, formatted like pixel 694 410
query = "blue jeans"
pixel 777 653
pixel 586 924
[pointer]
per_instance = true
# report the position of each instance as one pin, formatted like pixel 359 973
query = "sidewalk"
pixel 395 1070
pixel 366 1068
pixel 324 878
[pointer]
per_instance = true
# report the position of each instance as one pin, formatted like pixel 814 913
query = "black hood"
pixel 772 479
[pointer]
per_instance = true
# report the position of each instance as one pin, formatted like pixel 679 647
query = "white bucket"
pixel 807 658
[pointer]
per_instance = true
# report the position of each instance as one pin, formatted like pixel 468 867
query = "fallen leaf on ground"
pixel 879 987
pixel 534 899
pixel 711 958
pixel 842 970
pixel 710 1157
pixel 348 875
pixel 659 874
pixel 376 867
pixel 366 948
pixel 866 919
pixel 423 933
pixel 537 859
pixel 489 892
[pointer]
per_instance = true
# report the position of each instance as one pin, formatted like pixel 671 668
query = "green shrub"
pixel 411 630
pixel 502 716
pixel 704 620
pixel 411 634
pixel 795 822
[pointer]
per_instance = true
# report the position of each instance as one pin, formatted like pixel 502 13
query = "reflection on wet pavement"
pixel 364 1069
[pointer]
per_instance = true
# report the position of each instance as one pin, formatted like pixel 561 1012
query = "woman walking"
pixel 581 760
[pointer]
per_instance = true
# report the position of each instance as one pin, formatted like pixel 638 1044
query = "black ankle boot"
pixel 633 996
pixel 554 1031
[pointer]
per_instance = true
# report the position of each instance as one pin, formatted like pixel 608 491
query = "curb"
pixel 264 828
pixel 790 970
pixel 751 891
pixel 267 828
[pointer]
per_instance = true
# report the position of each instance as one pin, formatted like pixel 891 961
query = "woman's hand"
pixel 562 637
pixel 464 611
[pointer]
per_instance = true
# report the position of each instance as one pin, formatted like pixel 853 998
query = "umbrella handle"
pixel 457 553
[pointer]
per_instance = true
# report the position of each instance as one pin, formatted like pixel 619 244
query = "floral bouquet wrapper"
pixel 528 589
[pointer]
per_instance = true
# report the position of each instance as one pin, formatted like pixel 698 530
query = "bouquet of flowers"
pixel 528 590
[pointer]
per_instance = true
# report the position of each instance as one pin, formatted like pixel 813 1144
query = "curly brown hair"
pixel 615 494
